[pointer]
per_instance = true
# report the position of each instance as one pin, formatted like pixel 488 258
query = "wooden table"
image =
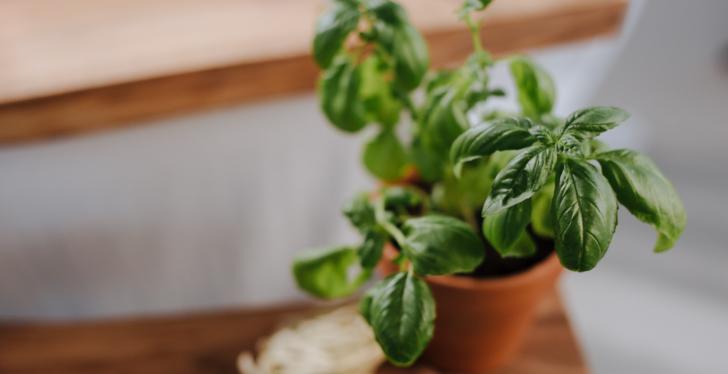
pixel 74 66
pixel 209 343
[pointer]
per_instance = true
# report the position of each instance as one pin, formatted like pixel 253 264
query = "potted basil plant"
pixel 479 210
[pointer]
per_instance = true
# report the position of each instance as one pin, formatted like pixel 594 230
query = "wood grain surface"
pixel 210 342
pixel 81 65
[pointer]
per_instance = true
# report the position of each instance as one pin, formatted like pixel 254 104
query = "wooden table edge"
pixel 134 102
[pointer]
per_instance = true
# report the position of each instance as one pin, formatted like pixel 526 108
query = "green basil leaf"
pixel 411 57
pixel 360 213
pixel 585 214
pixel 332 29
pixel 507 228
pixel 371 249
pixel 443 120
pixel 366 301
pixel 325 273
pixel 396 35
pixel 401 311
pixel 536 92
pixel 589 122
pixel 381 104
pixel 542 220
pixel 339 93
pixel 523 247
pixel 386 11
pixel 485 139
pixel 438 244
pixel 646 193
pixel 521 178
pixel 385 156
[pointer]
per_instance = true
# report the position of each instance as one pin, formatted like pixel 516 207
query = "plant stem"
pixel 408 104
pixel 474 27
pixel 404 265
pixel 391 229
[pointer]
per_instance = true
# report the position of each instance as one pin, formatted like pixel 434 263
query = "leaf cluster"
pixel 400 308
pixel 372 58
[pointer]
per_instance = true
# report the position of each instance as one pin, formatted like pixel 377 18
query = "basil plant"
pixel 487 182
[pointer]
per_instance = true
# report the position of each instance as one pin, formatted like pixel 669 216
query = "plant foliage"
pixel 492 182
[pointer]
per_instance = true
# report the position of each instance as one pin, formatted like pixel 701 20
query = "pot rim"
pixel 549 265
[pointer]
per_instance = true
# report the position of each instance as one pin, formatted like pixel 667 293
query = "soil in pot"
pixel 496 266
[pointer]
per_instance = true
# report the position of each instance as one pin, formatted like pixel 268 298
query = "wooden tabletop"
pixel 78 65
pixel 210 342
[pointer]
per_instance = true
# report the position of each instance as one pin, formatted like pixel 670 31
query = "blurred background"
pixel 206 209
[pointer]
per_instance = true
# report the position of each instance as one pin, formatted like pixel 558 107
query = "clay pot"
pixel 481 323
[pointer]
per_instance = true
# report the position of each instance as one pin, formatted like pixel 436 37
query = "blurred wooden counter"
pixel 74 66
pixel 210 342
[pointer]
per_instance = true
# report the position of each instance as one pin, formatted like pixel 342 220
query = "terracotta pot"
pixel 481 323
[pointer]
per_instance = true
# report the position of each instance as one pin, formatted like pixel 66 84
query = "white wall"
pixel 189 213
pixel 640 312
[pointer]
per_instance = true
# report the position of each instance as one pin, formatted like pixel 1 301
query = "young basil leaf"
pixel 379 100
pixel 646 193
pixel 445 115
pixel 541 218
pixel 401 311
pixel 536 92
pixel 332 29
pixel 325 273
pixel 585 214
pixel 437 244
pixel 360 213
pixel 385 157
pixel 438 79
pixel 402 198
pixel 521 178
pixel 551 121
pixel 475 73
pixel 484 139
pixel 597 146
pixel 506 229
pixel 473 5
pixel 371 249
pixel 339 92
pixel 589 122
